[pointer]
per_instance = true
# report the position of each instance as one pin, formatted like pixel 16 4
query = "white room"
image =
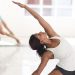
pixel 60 14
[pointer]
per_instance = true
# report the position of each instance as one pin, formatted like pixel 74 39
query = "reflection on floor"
pixel 10 61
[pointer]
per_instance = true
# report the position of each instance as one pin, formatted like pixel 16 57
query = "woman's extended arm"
pixel 48 29
pixel 44 60
pixel 4 24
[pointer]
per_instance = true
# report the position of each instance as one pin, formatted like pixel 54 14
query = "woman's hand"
pixel 35 73
pixel 19 4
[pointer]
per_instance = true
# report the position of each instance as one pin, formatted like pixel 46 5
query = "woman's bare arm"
pixel 44 60
pixel 5 25
pixel 48 29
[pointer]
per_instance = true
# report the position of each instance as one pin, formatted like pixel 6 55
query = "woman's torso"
pixel 65 53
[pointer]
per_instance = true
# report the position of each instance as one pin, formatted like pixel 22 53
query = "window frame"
pixel 54 7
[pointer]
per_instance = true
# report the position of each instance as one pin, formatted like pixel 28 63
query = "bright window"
pixel 51 7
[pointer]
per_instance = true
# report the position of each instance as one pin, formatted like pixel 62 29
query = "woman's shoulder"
pixel 48 54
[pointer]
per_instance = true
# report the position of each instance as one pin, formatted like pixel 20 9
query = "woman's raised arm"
pixel 48 29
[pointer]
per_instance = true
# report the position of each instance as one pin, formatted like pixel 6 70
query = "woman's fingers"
pixel 15 2
pixel 19 4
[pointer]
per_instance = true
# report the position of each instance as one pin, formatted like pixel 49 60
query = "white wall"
pixel 24 26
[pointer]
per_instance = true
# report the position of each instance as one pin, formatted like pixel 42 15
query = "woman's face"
pixel 42 36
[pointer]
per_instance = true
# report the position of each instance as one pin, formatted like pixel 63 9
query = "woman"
pixel 50 45
pixel 10 34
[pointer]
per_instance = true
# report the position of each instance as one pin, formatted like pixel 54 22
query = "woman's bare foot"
pixel 18 42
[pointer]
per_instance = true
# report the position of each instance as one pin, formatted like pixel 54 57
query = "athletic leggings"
pixel 65 72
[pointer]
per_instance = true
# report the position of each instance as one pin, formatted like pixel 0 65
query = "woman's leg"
pixel 10 35
pixel 55 72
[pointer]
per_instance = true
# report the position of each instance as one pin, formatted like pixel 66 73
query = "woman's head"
pixel 35 43
pixel 41 36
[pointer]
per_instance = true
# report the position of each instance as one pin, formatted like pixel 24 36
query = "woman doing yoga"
pixel 50 45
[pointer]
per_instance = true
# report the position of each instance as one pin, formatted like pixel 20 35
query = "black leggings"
pixel 65 72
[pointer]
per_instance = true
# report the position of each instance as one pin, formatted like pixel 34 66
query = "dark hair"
pixel 35 44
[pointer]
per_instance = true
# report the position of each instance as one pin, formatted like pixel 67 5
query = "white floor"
pixel 22 60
